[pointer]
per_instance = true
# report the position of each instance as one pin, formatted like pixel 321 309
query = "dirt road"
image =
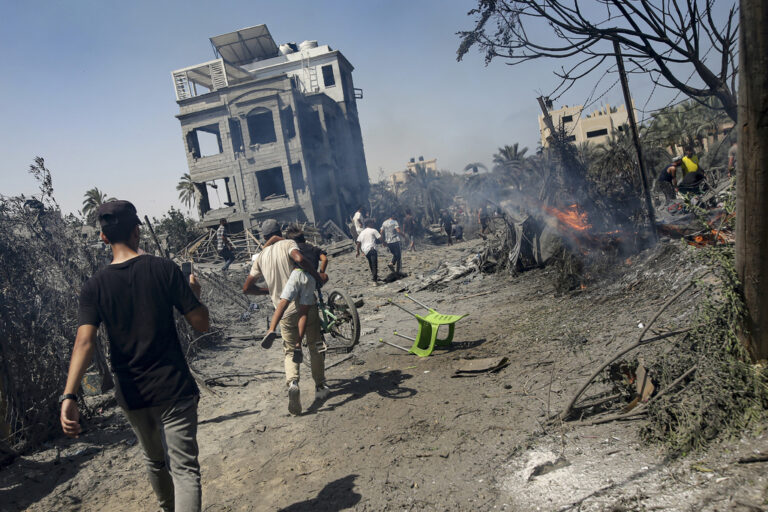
pixel 401 433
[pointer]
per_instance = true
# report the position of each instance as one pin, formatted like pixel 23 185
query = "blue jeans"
pixel 228 256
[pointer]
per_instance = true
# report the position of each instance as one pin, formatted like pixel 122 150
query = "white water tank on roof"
pixel 286 48
pixel 306 45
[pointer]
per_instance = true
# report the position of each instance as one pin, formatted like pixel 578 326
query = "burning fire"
pixel 571 217
pixel 713 237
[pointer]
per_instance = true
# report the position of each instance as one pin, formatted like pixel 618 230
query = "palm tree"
pixel 478 188
pixel 509 163
pixel 382 202
pixel 474 167
pixel 674 126
pixel 428 191
pixel 93 199
pixel 614 166
pixel 709 118
pixel 586 152
pixel 187 191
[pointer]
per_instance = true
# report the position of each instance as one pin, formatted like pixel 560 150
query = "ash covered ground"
pixel 400 432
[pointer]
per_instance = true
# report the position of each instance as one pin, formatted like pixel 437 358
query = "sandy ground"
pixel 400 432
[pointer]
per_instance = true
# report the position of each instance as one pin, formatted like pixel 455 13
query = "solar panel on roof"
pixel 245 45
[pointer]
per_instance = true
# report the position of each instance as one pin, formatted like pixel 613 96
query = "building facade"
pixel 398 180
pixel 594 128
pixel 272 132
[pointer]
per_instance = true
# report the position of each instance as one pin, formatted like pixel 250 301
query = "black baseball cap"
pixel 118 212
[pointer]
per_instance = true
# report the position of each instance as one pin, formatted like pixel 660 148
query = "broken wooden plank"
pixel 471 367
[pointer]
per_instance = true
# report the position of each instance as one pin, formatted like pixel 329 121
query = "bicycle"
pixel 338 319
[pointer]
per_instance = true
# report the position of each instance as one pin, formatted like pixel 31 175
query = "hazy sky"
pixel 87 85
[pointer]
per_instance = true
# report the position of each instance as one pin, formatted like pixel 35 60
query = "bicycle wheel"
pixel 345 330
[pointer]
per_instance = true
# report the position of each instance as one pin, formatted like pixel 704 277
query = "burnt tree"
pixel 668 39
pixel 752 179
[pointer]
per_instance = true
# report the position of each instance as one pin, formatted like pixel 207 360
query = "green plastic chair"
pixel 426 338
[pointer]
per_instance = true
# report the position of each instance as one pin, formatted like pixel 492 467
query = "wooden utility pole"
pixel 636 139
pixel 547 117
pixel 752 174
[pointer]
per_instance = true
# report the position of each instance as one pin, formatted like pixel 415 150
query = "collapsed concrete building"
pixel 272 132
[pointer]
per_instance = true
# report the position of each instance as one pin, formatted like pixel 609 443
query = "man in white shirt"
pixel 390 230
pixel 274 264
pixel 366 241
pixel 357 221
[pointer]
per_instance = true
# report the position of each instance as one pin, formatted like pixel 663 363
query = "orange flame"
pixel 571 217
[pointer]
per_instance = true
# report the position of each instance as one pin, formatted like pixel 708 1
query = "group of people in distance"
pixel 367 237
pixel 135 297
pixel 393 237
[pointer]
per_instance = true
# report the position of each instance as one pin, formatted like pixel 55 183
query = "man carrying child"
pixel 291 279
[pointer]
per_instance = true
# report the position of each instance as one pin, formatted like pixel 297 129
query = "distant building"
pixel 594 128
pixel 272 132
pixel 397 180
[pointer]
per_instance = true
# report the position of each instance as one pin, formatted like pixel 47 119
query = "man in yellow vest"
pixel 690 161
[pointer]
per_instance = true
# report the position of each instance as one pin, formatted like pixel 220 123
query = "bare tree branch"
pixel 674 35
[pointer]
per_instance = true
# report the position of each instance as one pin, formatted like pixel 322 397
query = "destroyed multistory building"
pixel 272 131
pixel 595 128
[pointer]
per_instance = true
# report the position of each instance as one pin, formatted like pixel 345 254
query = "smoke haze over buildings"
pixel 91 90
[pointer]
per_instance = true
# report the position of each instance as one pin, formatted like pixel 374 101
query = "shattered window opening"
pixel 297 177
pixel 236 133
pixel 204 141
pixel 218 193
pixel 286 118
pixel 567 119
pixel 597 133
pixel 328 78
pixel 261 126
pixel 271 183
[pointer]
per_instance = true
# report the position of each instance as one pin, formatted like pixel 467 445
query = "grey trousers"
pixel 168 436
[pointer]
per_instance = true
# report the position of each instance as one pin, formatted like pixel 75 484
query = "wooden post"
pixel 547 118
pixel 636 139
pixel 160 249
pixel 752 175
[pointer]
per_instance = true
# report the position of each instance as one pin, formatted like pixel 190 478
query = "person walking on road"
pixel 358 221
pixel 275 264
pixel 134 297
pixel 390 230
pixel 224 246
pixel 446 222
pixel 366 241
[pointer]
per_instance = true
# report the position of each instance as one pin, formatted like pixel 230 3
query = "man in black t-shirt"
pixel 667 181
pixel 135 297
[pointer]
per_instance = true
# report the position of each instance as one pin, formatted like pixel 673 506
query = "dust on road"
pixel 399 432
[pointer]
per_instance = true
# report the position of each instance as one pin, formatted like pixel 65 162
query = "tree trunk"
pixel 752 179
